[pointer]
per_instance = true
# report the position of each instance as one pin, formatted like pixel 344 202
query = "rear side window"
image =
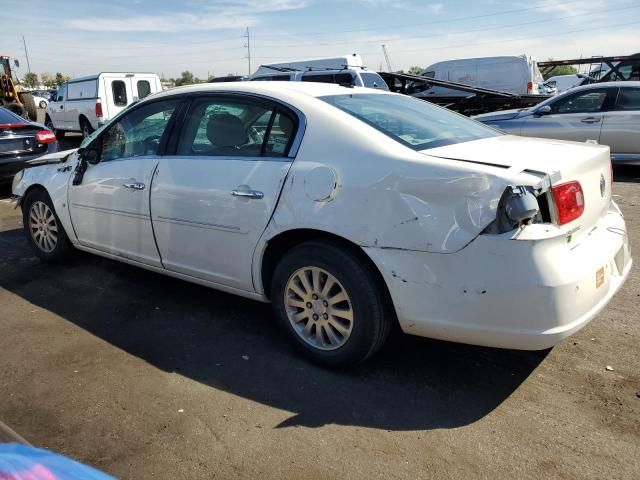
pixel 628 99
pixel 144 88
pixel 272 78
pixel 119 90
pixel 339 78
pixel 7 117
pixel 219 127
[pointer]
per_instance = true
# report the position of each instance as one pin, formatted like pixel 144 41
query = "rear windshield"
pixel 7 117
pixel 415 123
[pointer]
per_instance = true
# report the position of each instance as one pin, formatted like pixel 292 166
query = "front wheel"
pixel 331 303
pixel 45 234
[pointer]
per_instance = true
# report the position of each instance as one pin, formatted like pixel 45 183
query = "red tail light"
pixel 98 109
pixel 45 136
pixel 569 201
pixel 530 87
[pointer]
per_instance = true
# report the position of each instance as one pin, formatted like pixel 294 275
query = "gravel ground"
pixel 145 376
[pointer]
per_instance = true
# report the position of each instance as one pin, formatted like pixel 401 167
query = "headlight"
pixel 16 180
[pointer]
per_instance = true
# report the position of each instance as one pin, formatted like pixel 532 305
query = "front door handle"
pixel 134 185
pixel 590 120
pixel 247 194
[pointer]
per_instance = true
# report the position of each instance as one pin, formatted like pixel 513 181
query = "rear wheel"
pixel 49 124
pixel 331 303
pixel 29 106
pixel 45 234
pixel 85 127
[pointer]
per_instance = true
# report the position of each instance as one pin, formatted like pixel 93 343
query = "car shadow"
pixel 232 344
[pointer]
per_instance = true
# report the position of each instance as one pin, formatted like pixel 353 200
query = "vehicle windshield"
pixel 415 123
pixel 373 80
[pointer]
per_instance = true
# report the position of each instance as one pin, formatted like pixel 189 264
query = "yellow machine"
pixel 11 97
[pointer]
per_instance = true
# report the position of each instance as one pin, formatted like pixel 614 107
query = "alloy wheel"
pixel 43 226
pixel 318 308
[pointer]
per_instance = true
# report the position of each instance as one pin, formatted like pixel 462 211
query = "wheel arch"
pixel 281 243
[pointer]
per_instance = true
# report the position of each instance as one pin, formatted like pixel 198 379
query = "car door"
pixel 110 207
pixel 576 116
pixel 621 126
pixel 55 109
pixel 212 200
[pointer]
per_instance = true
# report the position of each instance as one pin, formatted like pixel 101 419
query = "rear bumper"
pixel 499 292
pixel 12 165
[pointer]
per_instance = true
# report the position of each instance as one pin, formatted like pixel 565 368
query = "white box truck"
pixel 517 74
pixel 83 104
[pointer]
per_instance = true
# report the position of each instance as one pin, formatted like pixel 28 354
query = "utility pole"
pixel 386 57
pixel 248 45
pixel 26 54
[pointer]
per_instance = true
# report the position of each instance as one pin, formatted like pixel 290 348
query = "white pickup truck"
pixel 83 104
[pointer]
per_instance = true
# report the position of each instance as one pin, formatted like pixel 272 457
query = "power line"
pixel 409 25
pixel 490 28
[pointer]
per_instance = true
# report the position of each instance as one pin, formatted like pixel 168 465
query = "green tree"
pixel 415 70
pixel 61 78
pixel 186 78
pixel 561 70
pixel 30 80
pixel 48 80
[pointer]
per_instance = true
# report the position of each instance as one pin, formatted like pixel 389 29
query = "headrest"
pixel 226 130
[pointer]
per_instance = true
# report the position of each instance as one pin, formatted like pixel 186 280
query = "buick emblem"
pixel 603 184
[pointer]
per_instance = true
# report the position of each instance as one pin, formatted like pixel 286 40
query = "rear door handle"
pixel 247 194
pixel 134 185
pixel 590 120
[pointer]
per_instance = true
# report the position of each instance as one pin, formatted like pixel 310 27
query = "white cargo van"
pixel 347 70
pixel 83 104
pixel 514 74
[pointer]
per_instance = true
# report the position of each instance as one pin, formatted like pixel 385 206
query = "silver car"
pixel 607 113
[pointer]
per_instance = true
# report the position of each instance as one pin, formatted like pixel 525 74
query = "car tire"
pixel 29 106
pixel 49 124
pixel 342 314
pixel 43 104
pixel 85 127
pixel 43 229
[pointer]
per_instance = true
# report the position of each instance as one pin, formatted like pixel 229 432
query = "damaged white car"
pixel 348 209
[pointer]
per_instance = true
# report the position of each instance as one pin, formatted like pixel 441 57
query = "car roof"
pixel 275 89
pixel 619 84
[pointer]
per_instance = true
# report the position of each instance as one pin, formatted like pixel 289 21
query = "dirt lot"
pixel 144 377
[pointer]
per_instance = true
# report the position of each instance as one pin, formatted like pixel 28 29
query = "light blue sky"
pixel 166 36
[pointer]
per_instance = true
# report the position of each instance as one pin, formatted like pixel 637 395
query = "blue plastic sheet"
pixel 21 462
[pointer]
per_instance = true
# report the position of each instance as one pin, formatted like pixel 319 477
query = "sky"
pixel 208 37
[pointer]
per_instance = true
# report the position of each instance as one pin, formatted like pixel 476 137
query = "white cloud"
pixel 217 15
pixel 407 5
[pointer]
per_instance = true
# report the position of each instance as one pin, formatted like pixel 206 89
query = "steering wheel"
pixel 256 136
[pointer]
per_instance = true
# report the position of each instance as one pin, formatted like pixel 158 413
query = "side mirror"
pixel 544 110
pixel 90 155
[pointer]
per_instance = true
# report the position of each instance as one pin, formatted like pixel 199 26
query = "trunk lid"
pixel 19 140
pixel 561 161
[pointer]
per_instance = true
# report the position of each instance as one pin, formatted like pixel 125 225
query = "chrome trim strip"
pixel 190 223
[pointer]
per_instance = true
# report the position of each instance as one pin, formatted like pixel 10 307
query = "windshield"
pixel 415 123
pixel 373 80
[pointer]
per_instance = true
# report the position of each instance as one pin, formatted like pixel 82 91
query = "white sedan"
pixel 348 209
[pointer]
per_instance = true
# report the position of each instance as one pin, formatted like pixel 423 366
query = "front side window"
pixel 137 133
pixel 585 102
pixel 373 80
pixel 144 88
pixel 119 90
pixel 414 123
pixel 62 93
pixel 220 127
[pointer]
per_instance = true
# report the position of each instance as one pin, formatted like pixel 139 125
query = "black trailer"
pixel 621 67
pixel 478 100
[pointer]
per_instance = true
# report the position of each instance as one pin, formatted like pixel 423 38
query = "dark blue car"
pixel 21 140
